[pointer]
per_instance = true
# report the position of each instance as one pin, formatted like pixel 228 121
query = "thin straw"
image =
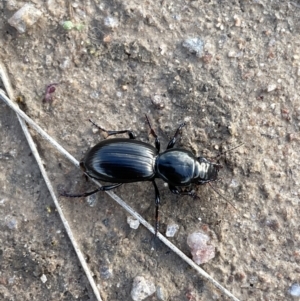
pixel 33 148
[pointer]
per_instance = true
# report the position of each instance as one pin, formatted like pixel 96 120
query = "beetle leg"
pixel 152 132
pixel 175 190
pixel 111 133
pixel 157 202
pixel 85 194
pixel 174 139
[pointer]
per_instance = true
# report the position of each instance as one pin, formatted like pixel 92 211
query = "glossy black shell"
pixel 176 166
pixel 121 160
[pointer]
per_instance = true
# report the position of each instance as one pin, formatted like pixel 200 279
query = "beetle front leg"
pixel 111 133
pixel 157 202
pixel 175 190
pixel 175 137
pixel 85 194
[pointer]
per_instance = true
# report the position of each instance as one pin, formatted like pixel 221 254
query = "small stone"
pixel 294 290
pixel 237 20
pixel 65 63
pixel 161 294
pixel 194 46
pixel 234 183
pixel 158 101
pixel 105 272
pixel 25 17
pixel 11 222
pixel 68 25
pixel 271 87
pixel 43 278
pixel 92 200
pixel 171 230
pixel 111 22
pixel 133 222
pixel 231 53
pixel 107 39
pixel 201 251
pixel 232 129
pixel 142 288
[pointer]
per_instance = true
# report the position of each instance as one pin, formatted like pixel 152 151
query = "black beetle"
pixel 123 160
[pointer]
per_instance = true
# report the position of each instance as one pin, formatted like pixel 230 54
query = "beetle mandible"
pixel 126 160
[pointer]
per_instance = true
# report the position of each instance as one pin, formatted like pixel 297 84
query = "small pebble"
pixel 142 288
pixel 294 290
pixel 25 17
pixel 161 294
pixel 92 200
pixel 11 222
pixel 195 46
pixel 11 280
pixel 158 101
pixel 231 53
pixel 271 87
pixel 171 230
pixel 232 129
pixel 237 20
pixel 133 222
pixel 111 22
pixel 43 278
pixel 68 25
pixel 201 251
pixel 234 183
pixel 105 272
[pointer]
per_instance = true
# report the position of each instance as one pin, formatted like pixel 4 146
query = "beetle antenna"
pixel 229 150
pixel 216 191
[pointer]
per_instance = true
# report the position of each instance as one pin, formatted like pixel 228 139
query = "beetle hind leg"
pixel 157 202
pixel 111 133
pixel 85 194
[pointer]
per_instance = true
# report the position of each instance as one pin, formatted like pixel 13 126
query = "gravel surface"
pixel 229 69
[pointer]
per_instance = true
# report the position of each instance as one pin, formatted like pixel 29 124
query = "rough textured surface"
pixel 126 60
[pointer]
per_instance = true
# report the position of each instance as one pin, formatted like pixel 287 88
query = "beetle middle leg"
pixel 157 202
pixel 85 194
pixel 111 133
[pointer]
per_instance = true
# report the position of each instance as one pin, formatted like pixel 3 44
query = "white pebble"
pixel 201 251
pixel 43 278
pixel 133 222
pixel 237 20
pixel 25 17
pixel 294 290
pixel 271 87
pixel 111 22
pixel 158 101
pixel 142 288
pixel 231 53
pixel 171 230
pixel 11 222
pixel 194 45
